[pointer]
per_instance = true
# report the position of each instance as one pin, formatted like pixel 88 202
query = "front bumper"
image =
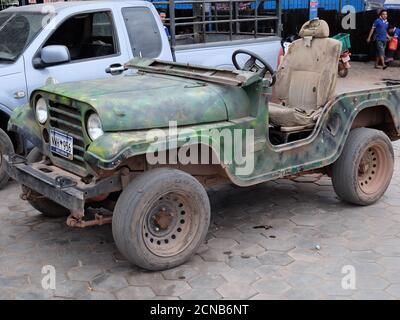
pixel 63 187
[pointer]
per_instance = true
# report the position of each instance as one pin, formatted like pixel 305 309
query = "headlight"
pixel 94 127
pixel 41 111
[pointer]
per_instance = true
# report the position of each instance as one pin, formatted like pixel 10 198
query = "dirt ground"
pixel 364 76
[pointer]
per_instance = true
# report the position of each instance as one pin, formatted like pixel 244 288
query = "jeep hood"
pixel 146 101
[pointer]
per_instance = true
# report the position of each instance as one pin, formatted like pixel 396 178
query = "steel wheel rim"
pixel 169 224
pixel 373 170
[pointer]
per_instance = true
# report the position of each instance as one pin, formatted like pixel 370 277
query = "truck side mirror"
pixel 51 56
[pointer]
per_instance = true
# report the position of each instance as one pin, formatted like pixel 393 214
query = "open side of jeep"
pixel 93 147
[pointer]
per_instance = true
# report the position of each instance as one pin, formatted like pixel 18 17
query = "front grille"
pixel 67 118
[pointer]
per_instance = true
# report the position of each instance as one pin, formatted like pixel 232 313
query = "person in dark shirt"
pixel 163 16
pixel 380 29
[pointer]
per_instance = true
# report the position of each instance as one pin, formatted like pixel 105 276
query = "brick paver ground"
pixel 279 240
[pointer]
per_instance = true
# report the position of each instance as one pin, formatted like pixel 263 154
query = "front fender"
pixel 23 122
pixel 111 149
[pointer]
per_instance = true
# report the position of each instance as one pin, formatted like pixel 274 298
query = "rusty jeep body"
pixel 93 140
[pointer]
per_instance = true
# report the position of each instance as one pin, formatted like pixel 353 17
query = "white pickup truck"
pixel 72 41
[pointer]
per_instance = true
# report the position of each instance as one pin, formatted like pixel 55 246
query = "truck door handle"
pixel 116 69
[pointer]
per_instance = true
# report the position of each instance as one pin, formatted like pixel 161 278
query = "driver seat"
pixel 306 79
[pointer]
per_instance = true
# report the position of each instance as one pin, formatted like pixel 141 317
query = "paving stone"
pixel 134 293
pixel 276 244
pixel 394 290
pixel 309 255
pixel 264 296
pixel 370 282
pixel 206 281
pixel 84 273
pixel 142 278
pixel 275 258
pixel 71 289
pixel 390 263
pixel 244 263
pixel 300 281
pixel 271 286
pixel 246 249
pixel 215 255
pixel 201 294
pixel 222 243
pixel 247 277
pixel 13 281
pixel 182 272
pixel 98 295
pixel 236 290
pixel 372 295
pixel 170 288
pixel 304 293
pixel 109 282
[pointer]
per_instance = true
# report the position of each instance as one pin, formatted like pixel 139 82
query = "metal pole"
pixel 203 29
pixel 230 18
pixel 172 27
pixel 279 21
pixel 256 4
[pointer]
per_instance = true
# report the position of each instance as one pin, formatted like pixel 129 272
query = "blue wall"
pixel 293 4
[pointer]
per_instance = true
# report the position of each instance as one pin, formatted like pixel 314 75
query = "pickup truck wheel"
pixel 161 219
pixel 42 204
pixel 6 147
pixel 364 170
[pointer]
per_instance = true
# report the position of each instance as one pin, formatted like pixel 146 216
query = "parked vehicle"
pixel 96 142
pixel 71 41
pixel 344 60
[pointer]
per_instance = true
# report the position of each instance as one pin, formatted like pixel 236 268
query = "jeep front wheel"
pixel 364 170
pixel 161 219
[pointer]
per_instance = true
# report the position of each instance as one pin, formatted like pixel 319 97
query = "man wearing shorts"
pixel 380 28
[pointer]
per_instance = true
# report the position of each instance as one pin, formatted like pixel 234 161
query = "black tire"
pixel 161 219
pixel 364 170
pixel 42 204
pixel 6 147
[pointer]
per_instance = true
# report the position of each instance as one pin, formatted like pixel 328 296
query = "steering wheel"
pixel 251 64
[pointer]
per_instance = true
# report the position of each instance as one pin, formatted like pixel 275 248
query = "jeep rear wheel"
pixel 161 219
pixel 364 170
pixel 42 204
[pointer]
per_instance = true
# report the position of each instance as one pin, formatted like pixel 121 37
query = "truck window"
pixel 87 36
pixel 144 35
pixel 17 30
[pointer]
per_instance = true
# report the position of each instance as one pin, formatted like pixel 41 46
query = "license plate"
pixel 62 144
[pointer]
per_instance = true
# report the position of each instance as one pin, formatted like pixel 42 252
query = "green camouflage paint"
pixel 130 105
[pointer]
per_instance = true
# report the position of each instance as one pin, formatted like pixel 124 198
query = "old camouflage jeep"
pixel 141 148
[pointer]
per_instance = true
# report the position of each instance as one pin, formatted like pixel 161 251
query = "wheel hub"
pixel 168 225
pixel 372 170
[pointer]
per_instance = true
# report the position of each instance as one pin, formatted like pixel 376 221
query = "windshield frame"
pixel 29 41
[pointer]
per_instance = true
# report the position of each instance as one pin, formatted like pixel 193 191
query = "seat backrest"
pixel 306 79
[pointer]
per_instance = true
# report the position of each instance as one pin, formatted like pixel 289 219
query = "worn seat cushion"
pixel 306 78
pixel 291 117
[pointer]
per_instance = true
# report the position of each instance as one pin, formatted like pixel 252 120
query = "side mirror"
pixel 51 56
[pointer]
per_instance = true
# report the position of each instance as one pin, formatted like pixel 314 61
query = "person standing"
pixel 380 28
pixel 163 17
